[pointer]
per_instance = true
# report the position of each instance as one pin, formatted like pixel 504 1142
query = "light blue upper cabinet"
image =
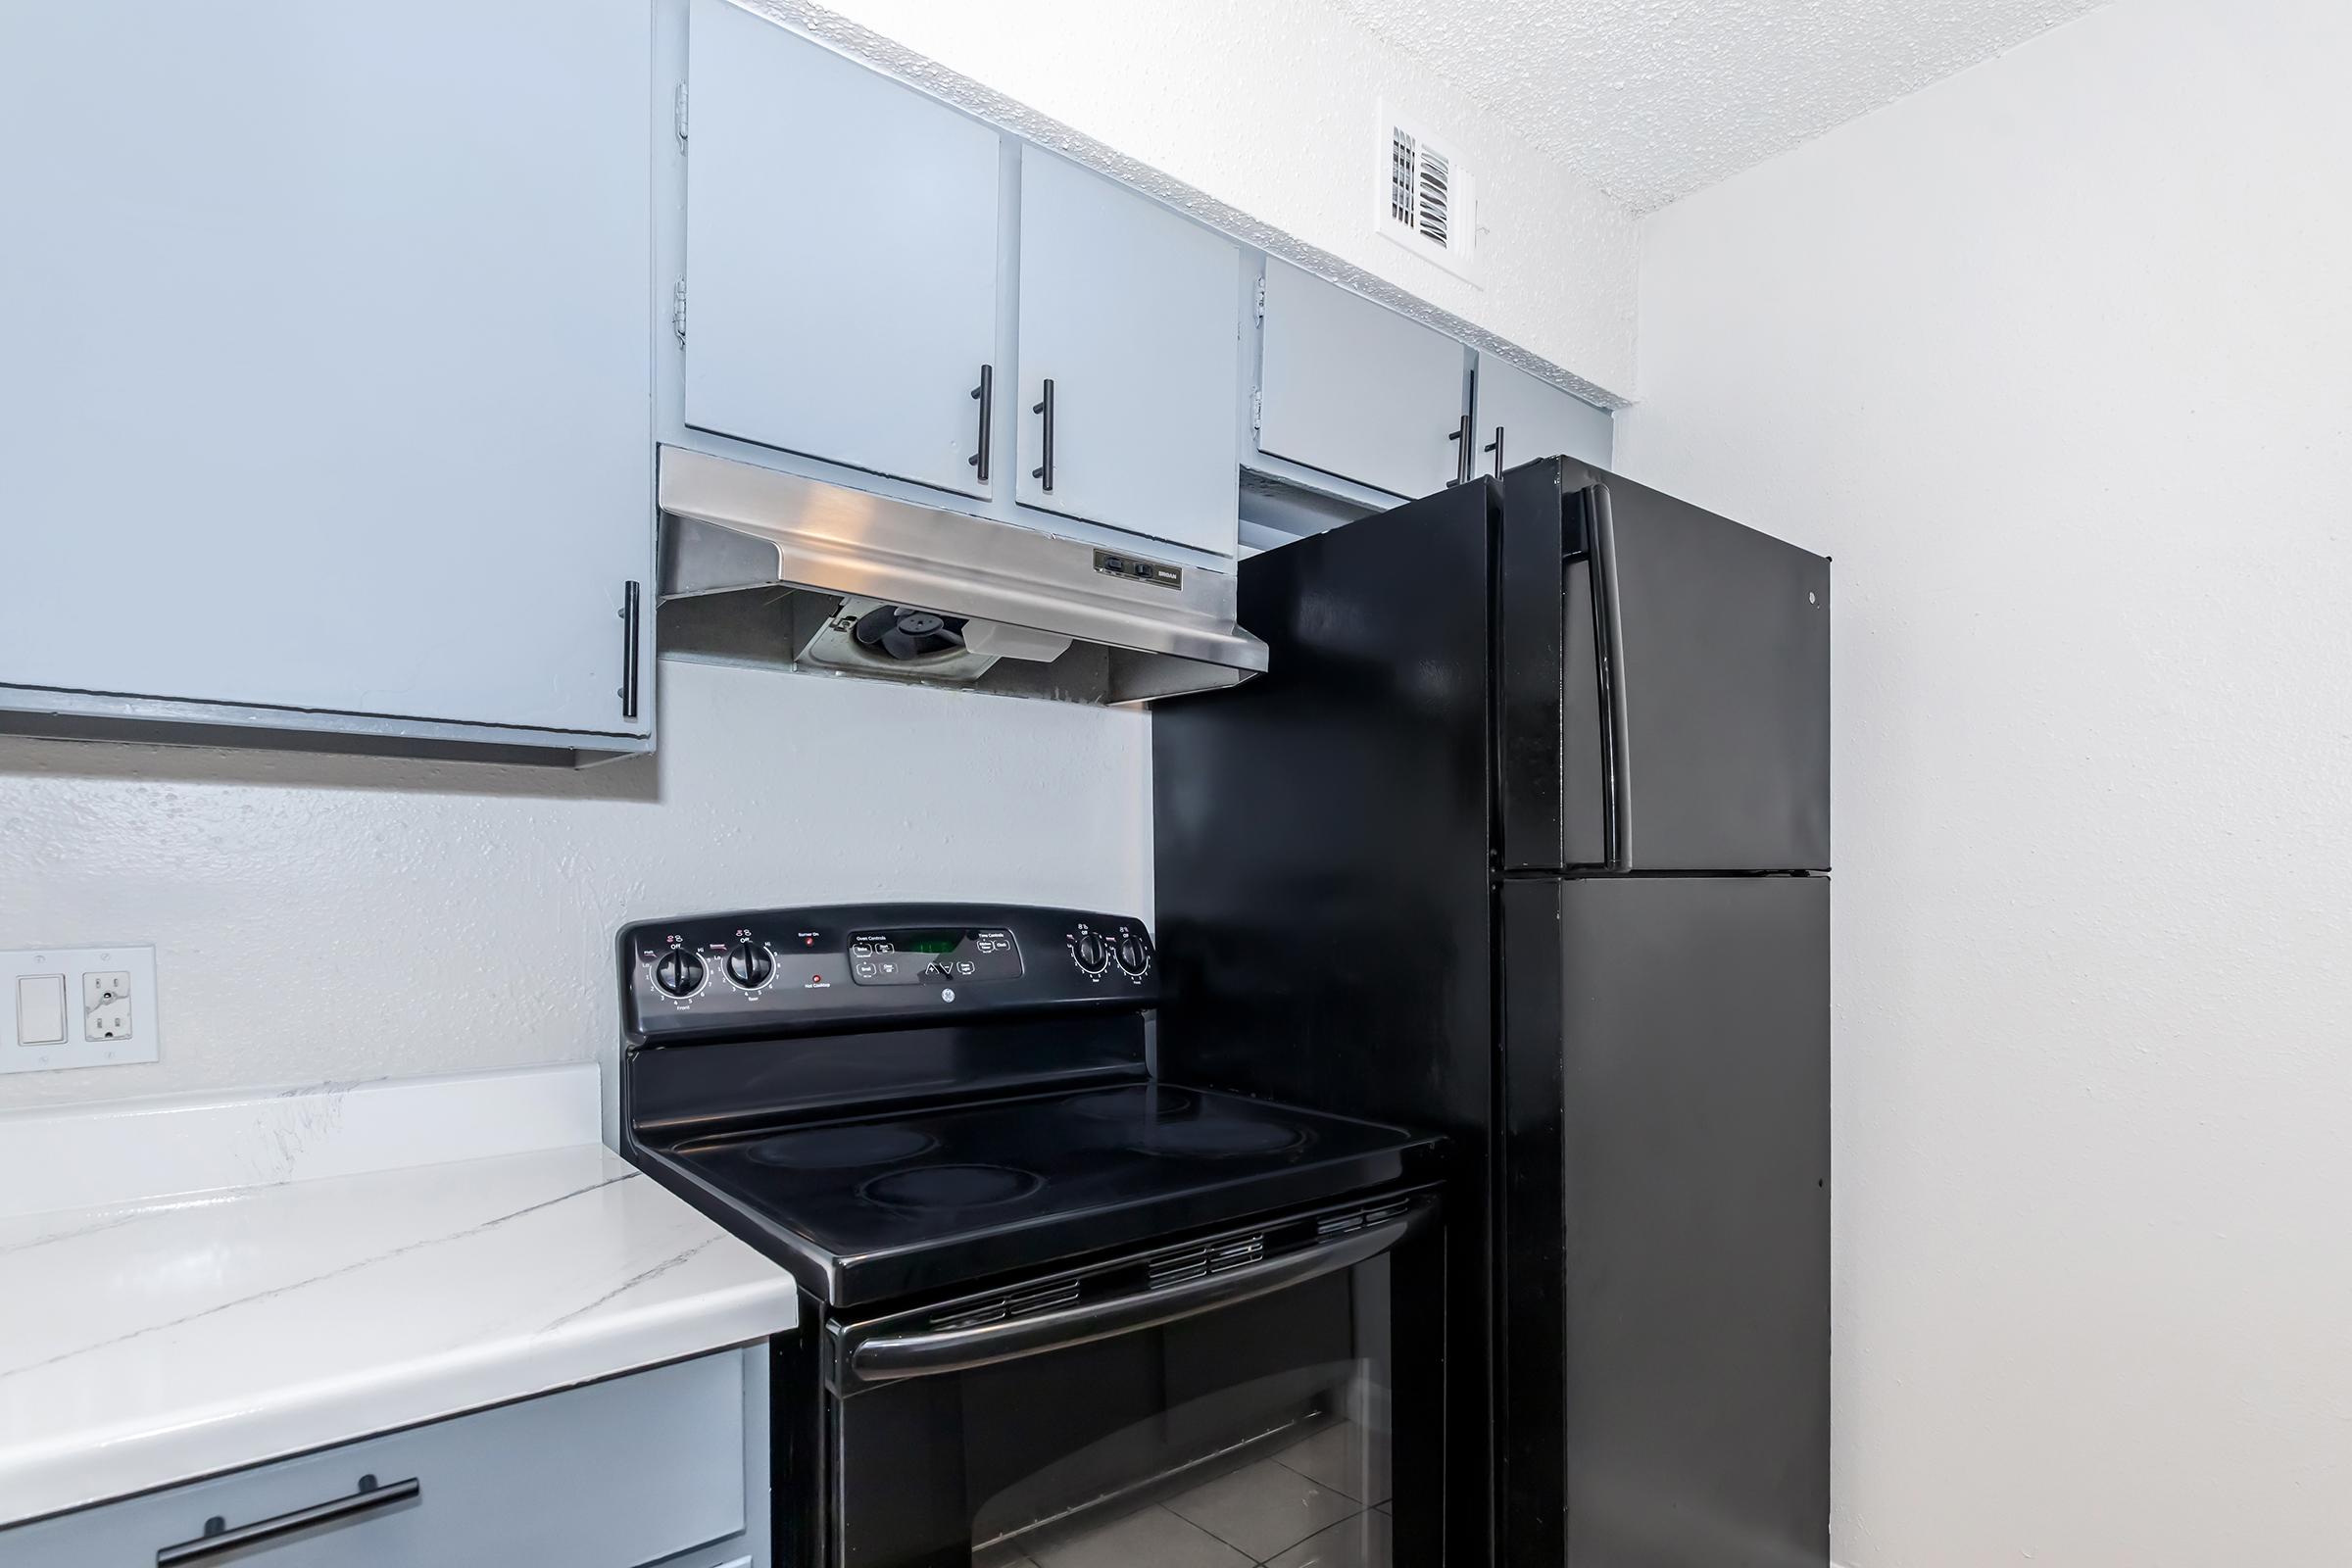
pixel 323 386
pixel 1127 309
pixel 1356 390
pixel 1521 418
pixel 841 256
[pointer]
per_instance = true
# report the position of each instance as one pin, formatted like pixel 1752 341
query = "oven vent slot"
pixel 1174 1268
pixel 1045 1298
pixel 1233 1254
pixel 1341 1224
pixel 1209 1258
pixel 971 1317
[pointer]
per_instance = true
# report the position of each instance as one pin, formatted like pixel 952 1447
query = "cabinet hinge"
pixel 1258 409
pixel 1262 297
pixel 678 114
pixel 678 311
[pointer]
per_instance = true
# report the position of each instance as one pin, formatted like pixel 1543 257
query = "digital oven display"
pixel 904 958
pixel 931 940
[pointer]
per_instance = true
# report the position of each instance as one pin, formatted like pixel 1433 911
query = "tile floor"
pixel 1322 1503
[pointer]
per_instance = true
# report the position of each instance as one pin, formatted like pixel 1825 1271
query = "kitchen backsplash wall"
pixel 332 918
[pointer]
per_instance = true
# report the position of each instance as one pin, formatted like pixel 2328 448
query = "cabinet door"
pixel 622 1473
pixel 841 256
pixel 1356 389
pixel 1521 418
pixel 326 388
pixel 1130 311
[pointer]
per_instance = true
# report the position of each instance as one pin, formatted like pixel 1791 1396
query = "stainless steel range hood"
pixel 786 570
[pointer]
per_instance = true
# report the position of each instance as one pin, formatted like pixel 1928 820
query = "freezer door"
pixel 1665 684
pixel 1722 686
pixel 1663 1222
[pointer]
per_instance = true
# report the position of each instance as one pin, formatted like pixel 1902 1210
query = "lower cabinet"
pixel 619 1474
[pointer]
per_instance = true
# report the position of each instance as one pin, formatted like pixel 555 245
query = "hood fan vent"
pixel 899 631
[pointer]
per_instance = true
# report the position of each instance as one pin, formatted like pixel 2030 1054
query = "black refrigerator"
pixel 1524 837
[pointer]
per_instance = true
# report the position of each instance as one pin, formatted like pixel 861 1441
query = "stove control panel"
pixel 853 965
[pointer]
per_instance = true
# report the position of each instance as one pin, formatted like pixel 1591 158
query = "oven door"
pixel 1269 1395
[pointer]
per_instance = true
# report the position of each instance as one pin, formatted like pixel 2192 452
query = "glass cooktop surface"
pixel 862 1210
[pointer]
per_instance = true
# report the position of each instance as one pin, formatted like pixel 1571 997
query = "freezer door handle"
pixel 1608 664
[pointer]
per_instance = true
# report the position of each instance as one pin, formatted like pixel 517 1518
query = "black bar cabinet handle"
pixel 630 595
pixel 219 1541
pixel 912 1356
pixel 1608 648
pixel 1044 406
pixel 1495 446
pixel 986 392
pixel 1462 452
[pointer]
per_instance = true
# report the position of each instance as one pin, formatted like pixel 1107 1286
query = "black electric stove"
pixel 943 1120
pixel 892 1099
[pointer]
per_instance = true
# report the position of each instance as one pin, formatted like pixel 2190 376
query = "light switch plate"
pixel 110 1010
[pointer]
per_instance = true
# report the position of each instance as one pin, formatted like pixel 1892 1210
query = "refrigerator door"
pixel 1665 683
pixel 1663 1221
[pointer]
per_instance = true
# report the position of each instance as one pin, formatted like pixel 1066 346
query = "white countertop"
pixel 149 1340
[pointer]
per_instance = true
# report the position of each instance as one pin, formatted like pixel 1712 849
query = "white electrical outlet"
pixel 115 1022
pixel 106 1005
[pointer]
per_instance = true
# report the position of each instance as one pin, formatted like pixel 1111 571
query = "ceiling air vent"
pixel 1426 197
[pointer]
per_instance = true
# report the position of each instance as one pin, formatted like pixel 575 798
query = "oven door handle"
pixel 890 1358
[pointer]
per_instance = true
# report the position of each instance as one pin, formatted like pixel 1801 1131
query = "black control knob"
pixel 1090 952
pixel 678 973
pixel 1132 954
pixel 749 965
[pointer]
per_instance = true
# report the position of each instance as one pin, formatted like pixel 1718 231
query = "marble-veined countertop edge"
pixel 149 1342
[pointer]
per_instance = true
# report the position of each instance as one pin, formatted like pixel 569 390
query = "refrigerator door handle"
pixel 1608 663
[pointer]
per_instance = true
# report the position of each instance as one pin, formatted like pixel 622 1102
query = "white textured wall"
pixel 2053 359
pixel 1274 109
pixel 331 919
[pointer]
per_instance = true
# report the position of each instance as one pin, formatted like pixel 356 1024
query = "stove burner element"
pixel 841 1148
pixel 1219 1135
pixel 1134 1104
pixel 951 1187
